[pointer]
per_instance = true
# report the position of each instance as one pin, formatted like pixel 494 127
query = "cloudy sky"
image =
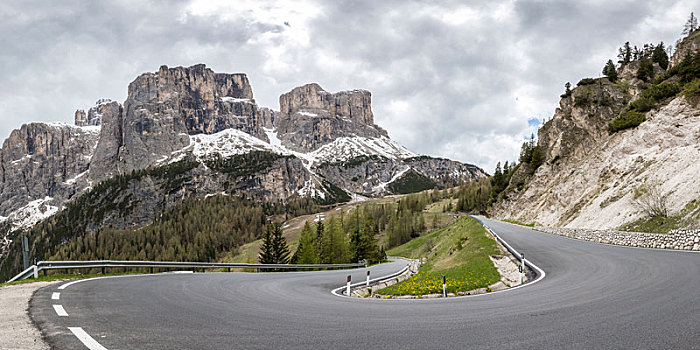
pixel 466 80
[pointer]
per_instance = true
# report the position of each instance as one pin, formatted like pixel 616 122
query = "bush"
pixel 643 104
pixel 625 121
pixel 646 70
pixel 648 99
pixel 692 89
pixel 662 91
pixel 586 81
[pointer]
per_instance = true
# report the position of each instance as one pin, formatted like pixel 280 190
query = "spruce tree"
pixel 280 248
pixel 625 54
pixel 691 25
pixel 660 56
pixel 267 255
pixel 610 71
pixel 646 70
pixel 306 252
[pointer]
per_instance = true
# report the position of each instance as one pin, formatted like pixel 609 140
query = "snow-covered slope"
pixel 232 142
pixel 345 148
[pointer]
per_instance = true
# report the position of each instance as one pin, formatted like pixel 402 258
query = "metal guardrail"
pixel 339 291
pixel 72 265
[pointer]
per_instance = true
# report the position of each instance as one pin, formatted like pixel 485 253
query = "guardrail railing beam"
pixel 104 264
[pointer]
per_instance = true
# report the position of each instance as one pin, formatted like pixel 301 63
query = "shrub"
pixel 648 99
pixel 646 70
pixel 625 121
pixel 643 104
pixel 692 89
pixel 586 81
pixel 662 91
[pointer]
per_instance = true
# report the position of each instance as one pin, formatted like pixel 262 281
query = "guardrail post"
pixel 367 278
pixel 348 287
pixel 36 272
pixel 444 286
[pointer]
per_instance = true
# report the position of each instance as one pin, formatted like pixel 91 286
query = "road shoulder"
pixel 17 331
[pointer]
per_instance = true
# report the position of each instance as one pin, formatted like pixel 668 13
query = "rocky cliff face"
pixel 592 178
pixel 311 117
pixel 93 117
pixel 689 45
pixel 42 166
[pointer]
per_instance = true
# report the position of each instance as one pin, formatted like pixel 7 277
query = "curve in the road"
pixel 594 296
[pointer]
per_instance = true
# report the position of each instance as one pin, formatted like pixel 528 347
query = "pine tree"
pixel 610 71
pixel 280 248
pixel 306 252
pixel 267 250
pixel 624 54
pixel 691 25
pixel 646 70
pixel 660 56
pixel 567 90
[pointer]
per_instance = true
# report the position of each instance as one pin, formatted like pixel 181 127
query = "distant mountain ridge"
pixel 322 145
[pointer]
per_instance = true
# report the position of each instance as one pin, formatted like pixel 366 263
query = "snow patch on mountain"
pixel 226 143
pixel 76 177
pixel 310 189
pixel 236 100
pixel 345 148
pixel 382 186
pixel 31 214
pixel 307 159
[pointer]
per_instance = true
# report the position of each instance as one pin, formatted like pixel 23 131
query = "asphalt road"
pixel 593 296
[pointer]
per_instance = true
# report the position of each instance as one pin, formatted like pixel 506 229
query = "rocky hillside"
pixel 188 131
pixel 613 146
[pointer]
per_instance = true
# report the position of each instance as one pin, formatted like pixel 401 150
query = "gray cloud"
pixel 453 78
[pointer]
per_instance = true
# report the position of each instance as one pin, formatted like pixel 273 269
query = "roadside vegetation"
pixel 687 217
pixel 516 222
pixel 459 251
pixel 351 233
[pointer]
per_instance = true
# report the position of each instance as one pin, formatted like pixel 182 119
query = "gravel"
pixel 16 328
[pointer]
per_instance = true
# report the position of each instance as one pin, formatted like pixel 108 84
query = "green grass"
pixel 664 224
pixel 512 221
pixel 460 251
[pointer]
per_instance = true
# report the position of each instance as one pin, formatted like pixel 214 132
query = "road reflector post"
pixel 367 278
pixel 36 272
pixel 348 287
pixel 444 287
pixel 522 267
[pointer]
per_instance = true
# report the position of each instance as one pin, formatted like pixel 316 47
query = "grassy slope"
pixel 248 253
pixel 460 251
pixel 687 217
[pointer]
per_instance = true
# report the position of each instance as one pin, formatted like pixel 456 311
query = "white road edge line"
pixel 60 311
pixel 55 296
pixel 86 339
pixel 66 285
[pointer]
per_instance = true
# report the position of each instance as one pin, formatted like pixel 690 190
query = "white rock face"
pixel 594 187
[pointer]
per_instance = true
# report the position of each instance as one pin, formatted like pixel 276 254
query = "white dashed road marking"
pixel 60 311
pixel 55 296
pixel 86 339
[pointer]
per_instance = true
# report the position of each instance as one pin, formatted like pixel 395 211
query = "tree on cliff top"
pixel 610 71
pixel 691 25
